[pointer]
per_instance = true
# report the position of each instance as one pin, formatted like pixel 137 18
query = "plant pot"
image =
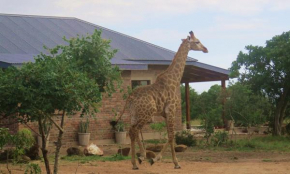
pixel 121 137
pixel 39 141
pixel 84 139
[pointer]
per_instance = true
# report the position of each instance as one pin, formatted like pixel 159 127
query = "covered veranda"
pixel 200 72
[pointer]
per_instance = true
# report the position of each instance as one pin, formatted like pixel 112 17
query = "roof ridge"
pixel 148 43
pixel 33 16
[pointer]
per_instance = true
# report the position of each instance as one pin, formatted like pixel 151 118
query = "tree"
pixel 69 79
pixel 266 70
pixel 210 109
pixel 193 95
pixel 245 107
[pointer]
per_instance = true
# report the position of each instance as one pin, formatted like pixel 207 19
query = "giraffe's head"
pixel 195 44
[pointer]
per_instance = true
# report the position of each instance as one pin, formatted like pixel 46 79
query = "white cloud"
pixel 136 11
pixel 160 36
pixel 280 5
pixel 238 24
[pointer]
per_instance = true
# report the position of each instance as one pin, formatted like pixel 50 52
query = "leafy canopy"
pixel 71 78
pixel 266 69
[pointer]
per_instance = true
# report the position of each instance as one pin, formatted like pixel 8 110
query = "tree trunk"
pixel 58 145
pixel 279 114
pixel 43 148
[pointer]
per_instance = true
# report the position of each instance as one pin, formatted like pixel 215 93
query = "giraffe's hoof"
pixel 139 160
pixel 151 161
pixel 135 168
pixel 177 167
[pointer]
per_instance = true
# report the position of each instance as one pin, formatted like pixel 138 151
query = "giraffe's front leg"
pixel 170 110
pixel 171 137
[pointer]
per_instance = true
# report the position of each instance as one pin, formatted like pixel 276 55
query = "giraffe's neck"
pixel 175 71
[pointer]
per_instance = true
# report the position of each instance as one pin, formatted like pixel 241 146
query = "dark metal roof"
pixel 22 37
pixel 188 63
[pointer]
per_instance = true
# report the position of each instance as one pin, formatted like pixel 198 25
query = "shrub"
pixel 32 168
pixel 219 138
pixel 287 128
pixel 185 138
pixel 159 127
pixel 84 126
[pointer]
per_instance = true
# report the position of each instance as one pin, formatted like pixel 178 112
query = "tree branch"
pixel 61 129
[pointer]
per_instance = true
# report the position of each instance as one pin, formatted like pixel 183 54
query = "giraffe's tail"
pixel 142 139
pixel 115 122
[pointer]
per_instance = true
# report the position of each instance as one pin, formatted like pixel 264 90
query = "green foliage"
pixel 86 159
pixel 84 126
pixel 288 128
pixel 10 91
pixel 269 143
pixel 22 140
pixel 245 107
pixel 70 78
pixel 92 55
pixel 193 97
pixel 210 108
pixel 159 127
pixel 32 168
pixel 265 143
pixel 186 138
pixel 120 126
pixel 4 137
pixel 127 93
pixel 266 70
pixel 155 141
pixel 219 138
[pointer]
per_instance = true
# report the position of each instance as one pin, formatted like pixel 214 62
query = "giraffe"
pixel 159 98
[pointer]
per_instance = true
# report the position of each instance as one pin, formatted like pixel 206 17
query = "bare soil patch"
pixel 191 161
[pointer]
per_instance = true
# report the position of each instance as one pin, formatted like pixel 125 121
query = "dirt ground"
pixel 191 161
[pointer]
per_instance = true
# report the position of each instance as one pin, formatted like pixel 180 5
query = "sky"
pixel 225 27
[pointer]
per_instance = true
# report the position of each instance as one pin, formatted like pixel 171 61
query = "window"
pixel 136 83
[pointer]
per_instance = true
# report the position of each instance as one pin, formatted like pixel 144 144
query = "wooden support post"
pixel 223 83
pixel 187 102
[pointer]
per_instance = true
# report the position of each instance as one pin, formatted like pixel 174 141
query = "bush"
pixel 185 138
pixel 32 168
pixel 219 138
pixel 287 128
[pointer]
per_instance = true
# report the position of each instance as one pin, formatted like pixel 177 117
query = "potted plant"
pixel 120 133
pixel 83 135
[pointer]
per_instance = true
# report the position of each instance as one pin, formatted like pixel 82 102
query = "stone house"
pixel 22 37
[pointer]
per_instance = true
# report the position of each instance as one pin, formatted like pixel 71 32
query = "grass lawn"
pixel 265 143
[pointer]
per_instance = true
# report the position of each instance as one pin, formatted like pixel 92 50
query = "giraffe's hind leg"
pixel 142 150
pixel 169 111
pixel 132 133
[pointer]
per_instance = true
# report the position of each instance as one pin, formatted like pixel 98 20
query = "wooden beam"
pixel 201 79
pixel 223 85
pixel 187 106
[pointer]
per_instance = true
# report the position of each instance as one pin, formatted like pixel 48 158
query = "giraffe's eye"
pixel 197 42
